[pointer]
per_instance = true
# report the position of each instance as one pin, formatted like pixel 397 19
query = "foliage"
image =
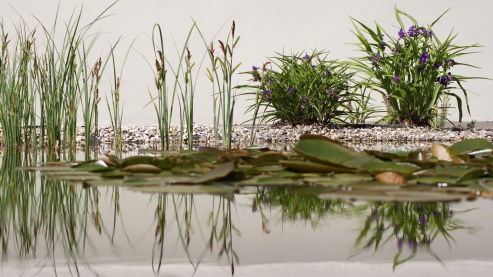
pixel 304 89
pixel 318 167
pixel 413 226
pixel 221 76
pixel 412 71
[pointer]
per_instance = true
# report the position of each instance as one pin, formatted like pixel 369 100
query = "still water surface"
pixel 59 228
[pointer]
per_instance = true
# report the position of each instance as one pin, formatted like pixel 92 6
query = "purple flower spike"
pixel 330 92
pixel 399 243
pixel 422 219
pixel 420 69
pixel 306 57
pixel 255 68
pixel 291 89
pixel 327 72
pixel 430 33
pixel 396 78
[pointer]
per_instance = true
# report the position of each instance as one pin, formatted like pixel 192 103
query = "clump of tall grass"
pixel 16 85
pixel 56 77
pixel 221 76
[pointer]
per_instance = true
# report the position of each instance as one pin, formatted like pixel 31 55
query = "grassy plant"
pixel 116 112
pixel 221 76
pixel 16 85
pixel 360 107
pixel 304 89
pixel 413 70
pixel 164 102
pixel 64 78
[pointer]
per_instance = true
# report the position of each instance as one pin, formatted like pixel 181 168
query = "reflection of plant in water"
pixel 183 210
pixel 223 234
pixel 295 206
pixel 17 220
pixel 413 226
pixel 52 212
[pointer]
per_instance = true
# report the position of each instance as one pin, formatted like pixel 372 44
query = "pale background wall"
pixel 265 27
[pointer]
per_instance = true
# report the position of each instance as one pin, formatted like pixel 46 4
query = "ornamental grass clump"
pixel 304 89
pixel 414 70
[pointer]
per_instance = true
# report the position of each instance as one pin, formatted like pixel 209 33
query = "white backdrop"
pixel 265 27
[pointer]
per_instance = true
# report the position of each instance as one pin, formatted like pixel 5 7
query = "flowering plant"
pixel 413 226
pixel 304 89
pixel 413 70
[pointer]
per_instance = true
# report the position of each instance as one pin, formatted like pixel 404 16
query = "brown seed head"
pixel 188 54
pixel 233 29
pixel 211 49
pixel 158 66
pixel 221 44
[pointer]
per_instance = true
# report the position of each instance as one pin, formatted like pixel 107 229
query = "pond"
pixel 51 226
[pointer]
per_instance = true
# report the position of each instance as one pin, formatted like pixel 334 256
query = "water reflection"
pixel 66 223
pixel 408 226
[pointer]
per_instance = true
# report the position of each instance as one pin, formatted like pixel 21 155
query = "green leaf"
pixel 470 145
pixel 217 173
pixel 330 153
pixel 378 167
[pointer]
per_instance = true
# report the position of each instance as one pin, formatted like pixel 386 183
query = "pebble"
pixel 144 137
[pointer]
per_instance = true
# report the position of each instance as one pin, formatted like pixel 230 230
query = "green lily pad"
pixel 327 152
pixel 217 173
pixel 470 145
pixel 378 167
pixel 308 166
pixel 186 189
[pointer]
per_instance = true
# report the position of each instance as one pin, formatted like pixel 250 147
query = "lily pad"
pixel 184 189
pixel 330 153
pixel 470 145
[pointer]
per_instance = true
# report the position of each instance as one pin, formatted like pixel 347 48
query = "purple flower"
pixel 327 72
pixel 420 69
pixel 382 45
pixel 401 33
pixel 412 31
pixel 437 65
pixel 255 68
pixel 396 78
pixel 306 57
pixel 424 32
pixel 291 89
pixel 430 33
pixel 424 57
pixel 422 219
pixel 330 92
pixel 377 57
pixel 446 79
pixel 452 62
pixel 267 93
pixel 399 243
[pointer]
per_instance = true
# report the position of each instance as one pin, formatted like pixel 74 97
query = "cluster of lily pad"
pixel 316 166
